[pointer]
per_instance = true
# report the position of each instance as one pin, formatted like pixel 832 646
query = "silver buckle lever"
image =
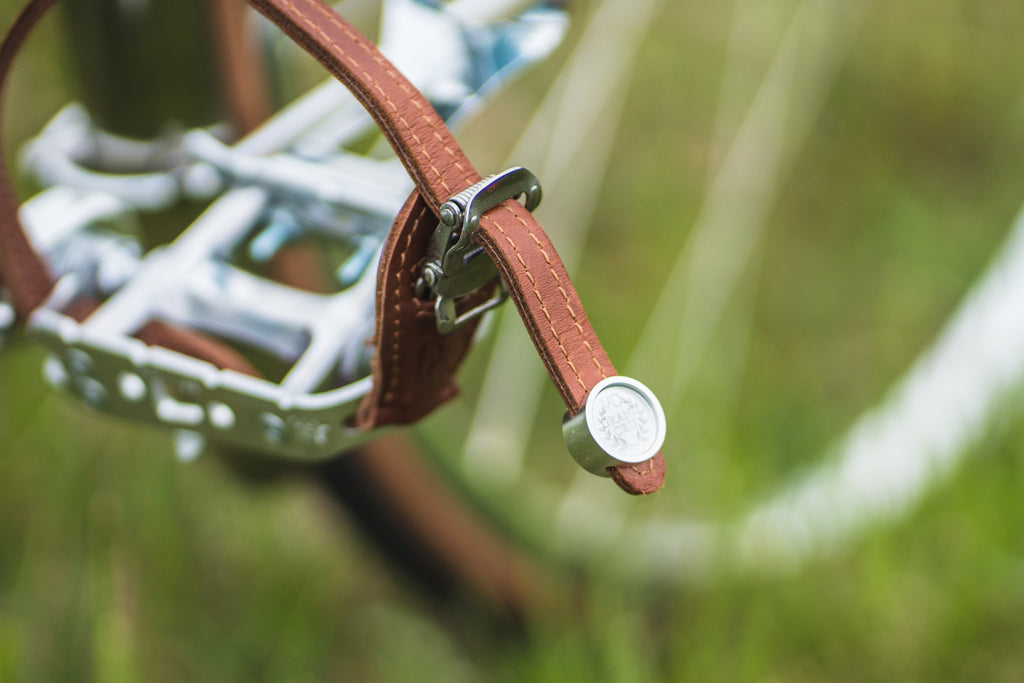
pixel 456 264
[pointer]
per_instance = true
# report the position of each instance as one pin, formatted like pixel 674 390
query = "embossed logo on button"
pixel 625 422
pixel 621 422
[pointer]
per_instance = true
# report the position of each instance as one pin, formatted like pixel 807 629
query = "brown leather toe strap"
pixel 414 365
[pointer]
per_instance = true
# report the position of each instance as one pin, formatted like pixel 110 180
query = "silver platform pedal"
pixel 295 179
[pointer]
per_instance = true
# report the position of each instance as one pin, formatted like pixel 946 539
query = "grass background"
pixel 118 564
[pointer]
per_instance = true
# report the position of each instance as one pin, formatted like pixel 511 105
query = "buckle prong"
pixel 456 264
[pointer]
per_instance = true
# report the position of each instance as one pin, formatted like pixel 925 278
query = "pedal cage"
pixel 190 284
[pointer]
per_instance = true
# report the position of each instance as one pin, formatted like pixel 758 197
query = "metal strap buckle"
pixel 456 264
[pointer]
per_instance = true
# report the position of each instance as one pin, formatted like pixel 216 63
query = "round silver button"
pixel 621 422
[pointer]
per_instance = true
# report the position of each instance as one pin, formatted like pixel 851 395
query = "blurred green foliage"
pixel 118 564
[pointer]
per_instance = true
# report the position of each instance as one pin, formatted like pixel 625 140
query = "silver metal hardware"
pixel 456 264
pixel 622 422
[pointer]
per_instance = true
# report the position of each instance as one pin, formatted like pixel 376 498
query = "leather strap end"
pixel 641 479
pixel 414 365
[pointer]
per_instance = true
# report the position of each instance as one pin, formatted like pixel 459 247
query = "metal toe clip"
pixel 456 264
